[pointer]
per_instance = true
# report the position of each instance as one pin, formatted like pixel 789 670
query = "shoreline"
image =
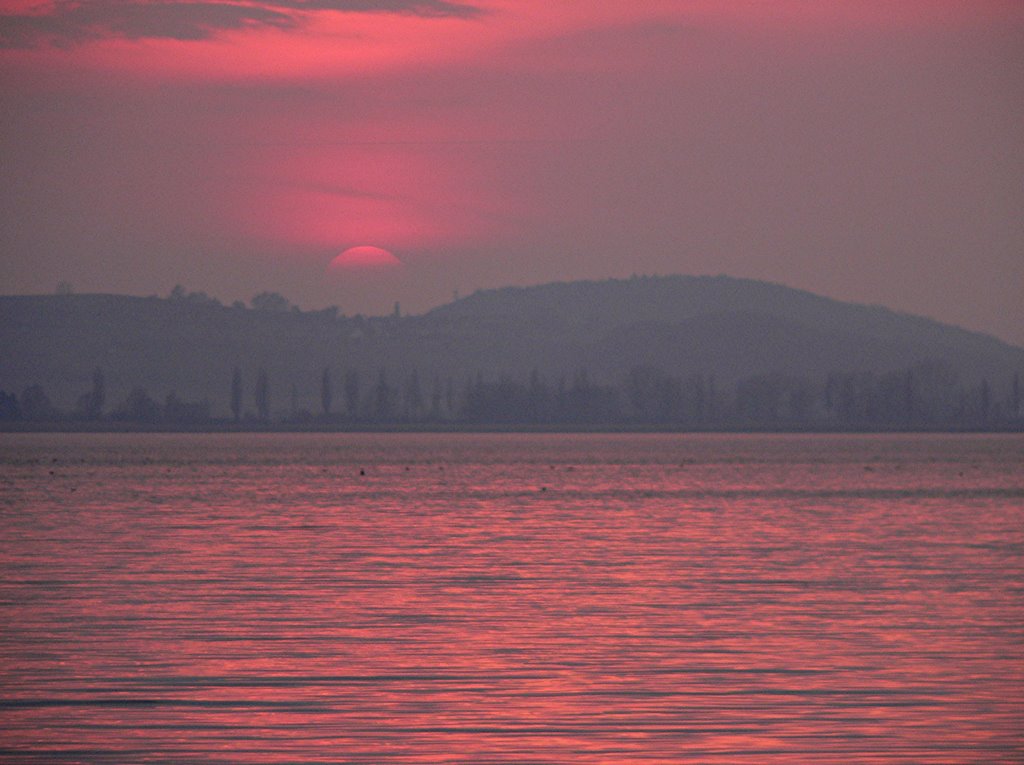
pixel 498 428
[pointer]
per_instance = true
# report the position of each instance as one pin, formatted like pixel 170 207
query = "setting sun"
pixel 362 258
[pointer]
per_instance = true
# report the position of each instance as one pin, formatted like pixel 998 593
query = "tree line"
pixel 924 396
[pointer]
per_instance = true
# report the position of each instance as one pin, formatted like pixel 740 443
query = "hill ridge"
pixel 677 327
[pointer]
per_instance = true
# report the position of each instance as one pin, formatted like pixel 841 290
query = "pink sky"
pixel 866 150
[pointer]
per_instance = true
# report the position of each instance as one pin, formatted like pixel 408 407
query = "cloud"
pixel 412 7
pixel 69 22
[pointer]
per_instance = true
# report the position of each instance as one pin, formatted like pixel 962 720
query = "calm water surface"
pixel 511 599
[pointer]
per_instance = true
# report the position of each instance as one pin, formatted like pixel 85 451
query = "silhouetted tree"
pixel 83 407
pixel 696 403
pixel 669 399
pixel 35 404
pixel 935 393
pixel 273 302
pixel 236 394
pixel 638 385
pixel 909 398
pixel 580 400
pixel 99 391
pixel 449 397
pixel 185 412
pixel 494 402
pixel 984 402
pixel 757 400
pixel 652 396
pixel 352 386
pixel 831 393
pixel 850 399
pixel 382 402
pixel 537 398
pixel 413 396
pixel 326 392
pixel 90 405
pixel 1015 396
pixel 436 396
pixel 962 413
pixel 800 401
pixel 10 409
pixel 138 407
pixel 262 395
pixel 777 400
pixel 884 402
pixel 561 403
pixel 179 293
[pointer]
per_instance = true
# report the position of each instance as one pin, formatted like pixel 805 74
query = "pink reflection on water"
pixel 663 599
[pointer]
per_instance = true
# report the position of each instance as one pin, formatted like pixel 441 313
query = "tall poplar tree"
pixel 262 395
pixel 236 394
pixel 326 393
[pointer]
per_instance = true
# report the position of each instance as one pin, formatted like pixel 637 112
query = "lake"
pixel 514 598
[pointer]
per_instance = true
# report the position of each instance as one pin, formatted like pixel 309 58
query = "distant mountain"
pixel 731 326
pixel 725 328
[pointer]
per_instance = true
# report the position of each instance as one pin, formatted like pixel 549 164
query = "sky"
pixel 868 150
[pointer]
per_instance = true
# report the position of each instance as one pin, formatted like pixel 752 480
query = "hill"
pixel 723 325
pixel 720 330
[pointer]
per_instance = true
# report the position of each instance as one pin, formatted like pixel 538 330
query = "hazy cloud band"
pixel 69 23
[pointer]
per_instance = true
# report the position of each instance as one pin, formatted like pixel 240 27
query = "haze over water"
pixel 511 598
